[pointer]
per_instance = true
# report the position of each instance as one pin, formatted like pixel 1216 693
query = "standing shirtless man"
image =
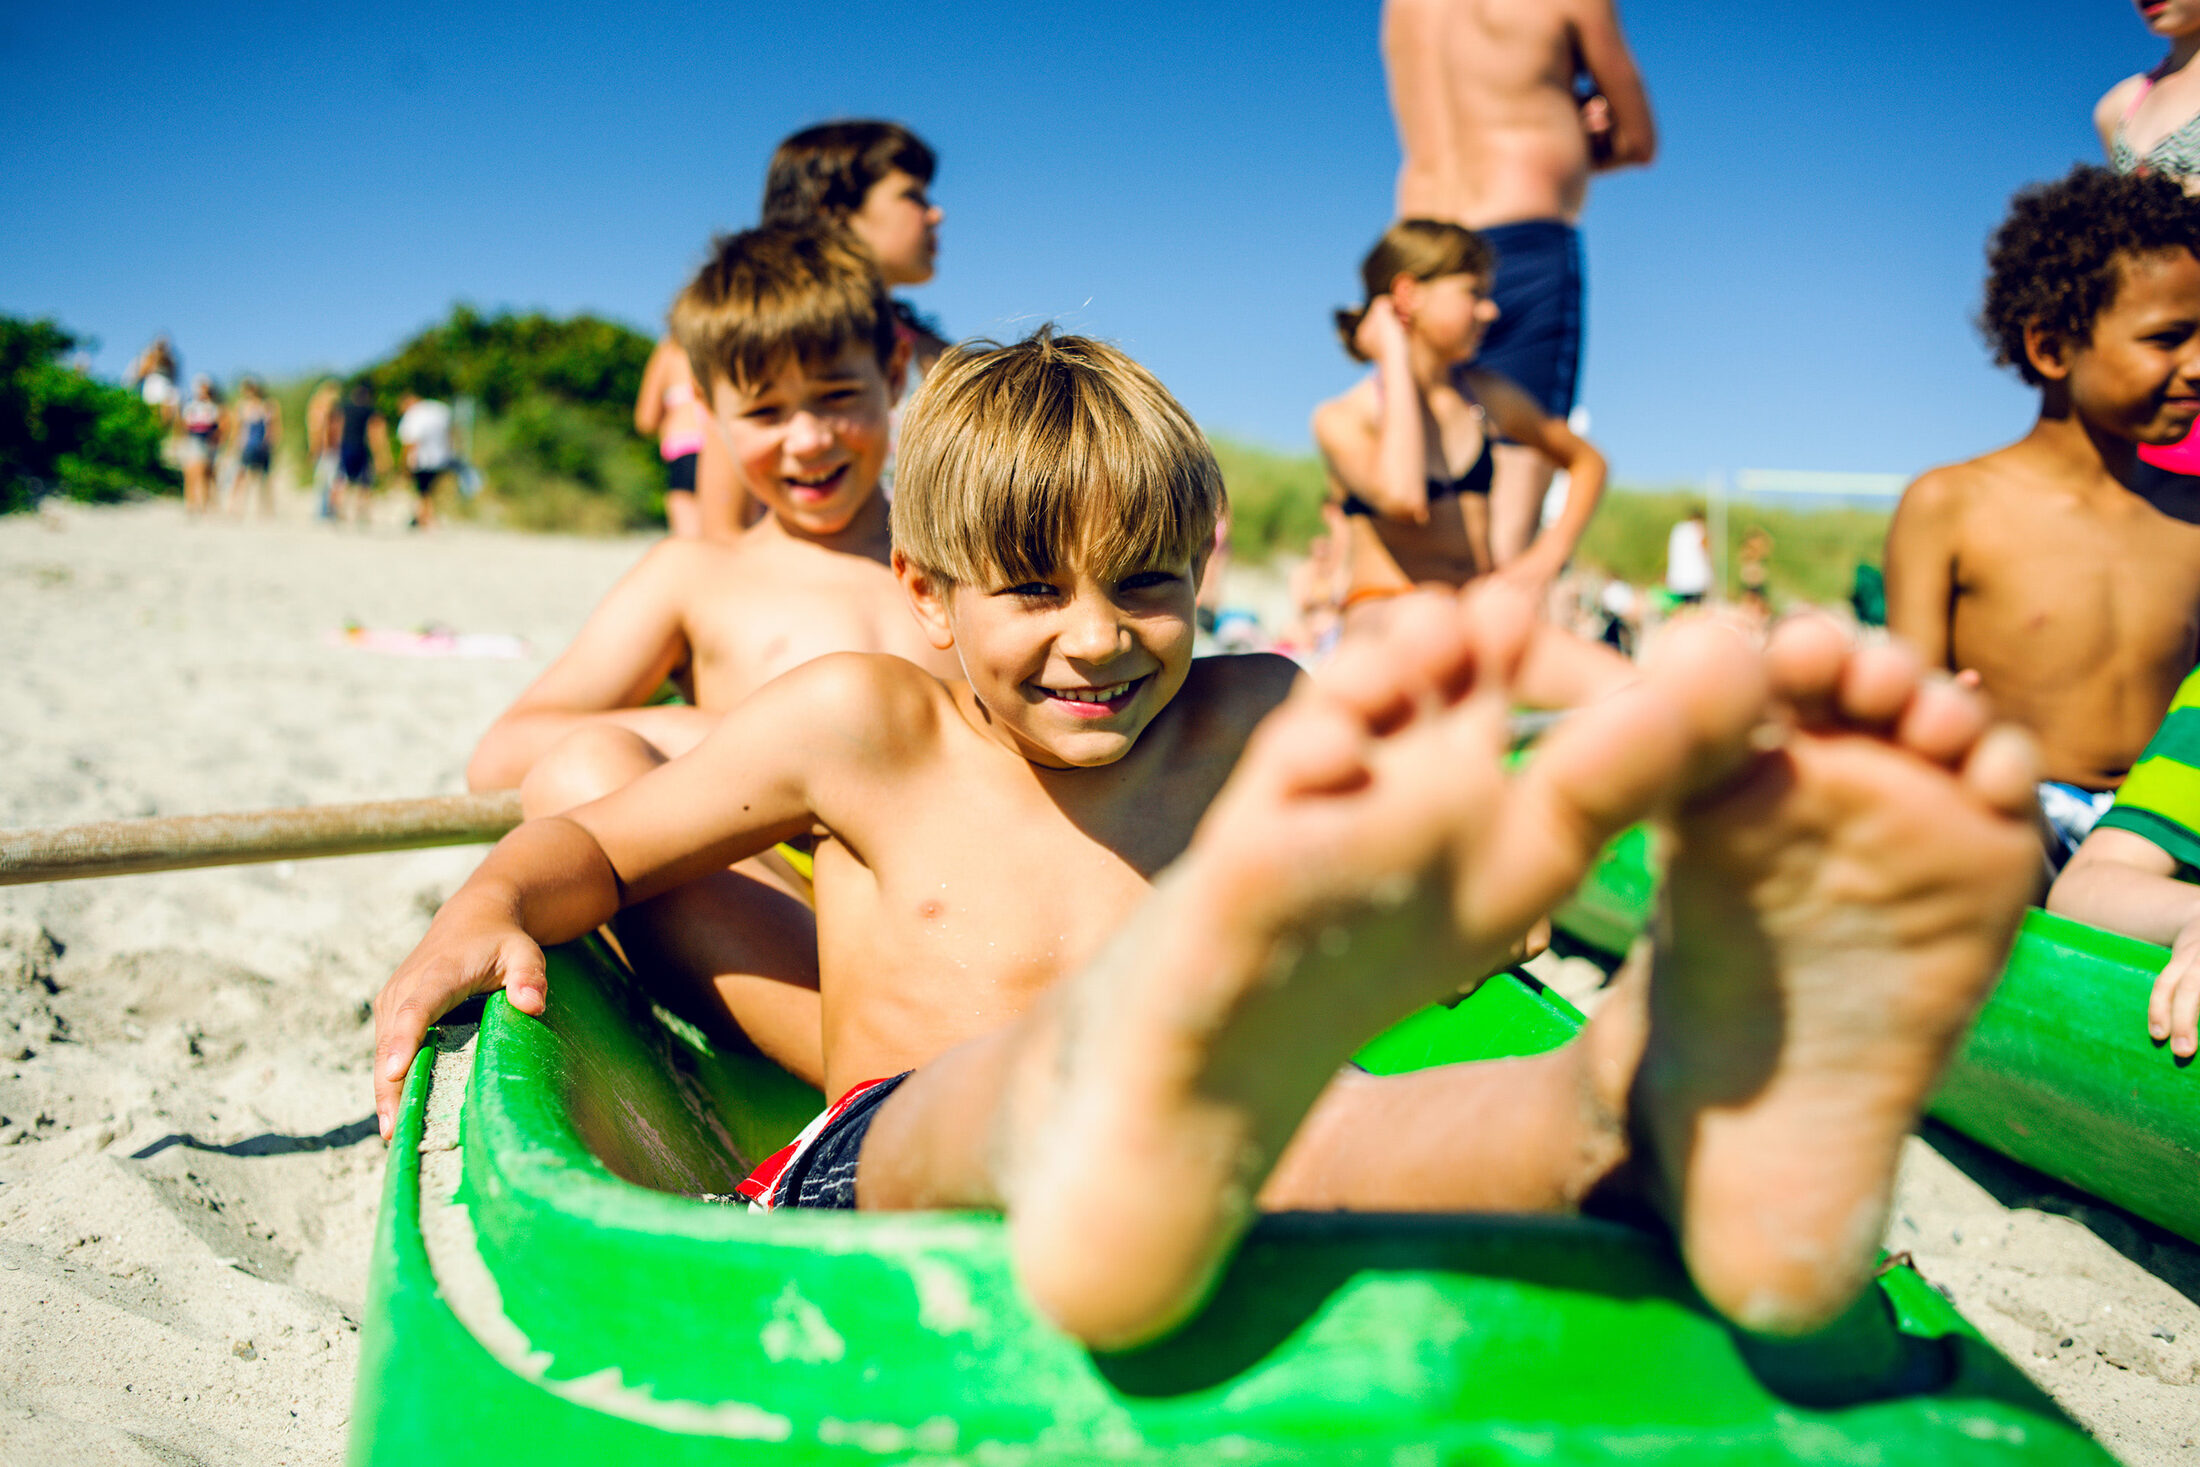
pixel 1498 135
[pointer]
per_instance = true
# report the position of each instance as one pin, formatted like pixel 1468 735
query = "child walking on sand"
pixel 2061 572
pixel 1099 926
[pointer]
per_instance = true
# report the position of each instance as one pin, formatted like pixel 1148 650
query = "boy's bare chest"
pixel 744 638
pixel 2048 585
pixel 997 894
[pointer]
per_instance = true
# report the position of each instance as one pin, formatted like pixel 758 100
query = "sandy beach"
pixel 188 1169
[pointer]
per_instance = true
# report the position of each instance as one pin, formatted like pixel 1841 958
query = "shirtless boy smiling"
pixel 2061 571
pixel 1100 925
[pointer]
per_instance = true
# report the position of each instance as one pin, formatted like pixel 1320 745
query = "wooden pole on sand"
pixel 182 842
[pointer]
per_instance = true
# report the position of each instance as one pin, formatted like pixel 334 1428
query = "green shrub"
pixel 547 466
pixel 61 431
pixel 1275 499
pixel 582 361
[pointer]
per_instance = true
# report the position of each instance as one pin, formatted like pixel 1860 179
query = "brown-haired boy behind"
pixel 791 333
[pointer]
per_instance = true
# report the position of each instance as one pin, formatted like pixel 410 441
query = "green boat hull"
pixel 541 1290
pixel 2058 1074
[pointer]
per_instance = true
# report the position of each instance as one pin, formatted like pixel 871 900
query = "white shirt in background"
pixel 426 429
pixel 1688 559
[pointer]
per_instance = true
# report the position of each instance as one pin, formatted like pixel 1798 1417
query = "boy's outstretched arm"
pixel 634 639
pixel 2122 881
pixel 546 882
pixel 749 784
pixel 1921 568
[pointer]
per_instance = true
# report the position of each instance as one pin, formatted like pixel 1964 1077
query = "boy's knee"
pixel 585 765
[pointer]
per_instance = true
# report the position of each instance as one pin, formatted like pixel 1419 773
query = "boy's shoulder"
pixel 767 564
pixel 1228 695
pixel 1949 491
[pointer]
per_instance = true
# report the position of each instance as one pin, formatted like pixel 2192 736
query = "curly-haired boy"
pixel 2062 573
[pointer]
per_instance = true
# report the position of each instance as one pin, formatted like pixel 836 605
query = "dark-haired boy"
pixel 873 179
pixel 1101 925
pixel 2061 572
pixel 791 330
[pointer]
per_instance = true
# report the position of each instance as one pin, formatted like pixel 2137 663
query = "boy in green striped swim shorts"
pixel 2139 871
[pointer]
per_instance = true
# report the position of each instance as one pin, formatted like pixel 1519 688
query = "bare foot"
pixel 1369 854
pixel 1837 917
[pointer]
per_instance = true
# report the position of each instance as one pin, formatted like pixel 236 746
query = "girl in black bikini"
pixel 1408 451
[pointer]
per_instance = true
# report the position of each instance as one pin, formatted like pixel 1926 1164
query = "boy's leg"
pixel 1369 851
pixel 739 948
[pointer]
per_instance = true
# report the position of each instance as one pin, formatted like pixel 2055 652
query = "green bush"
pixel 547 466
pixel 61 431
pixel 580 361
pixel 1275 499
pixel 554 433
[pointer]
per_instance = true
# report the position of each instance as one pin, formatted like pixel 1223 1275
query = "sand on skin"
pixel 161 1301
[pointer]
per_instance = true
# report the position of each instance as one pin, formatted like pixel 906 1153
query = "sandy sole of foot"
pixel 188 1179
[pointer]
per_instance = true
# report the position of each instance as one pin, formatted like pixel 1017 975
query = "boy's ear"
pixel 927 600
pixel 2048 354
pixel 897 367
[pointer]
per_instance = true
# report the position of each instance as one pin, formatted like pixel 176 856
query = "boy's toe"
pixel 2003 771
pixel 1804 661
pixel 1941 723
pixel 1876 685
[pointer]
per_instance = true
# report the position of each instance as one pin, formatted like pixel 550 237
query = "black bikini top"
pixel 1476 480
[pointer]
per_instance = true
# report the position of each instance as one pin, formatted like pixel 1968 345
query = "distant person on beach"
pixel 873 179
pixel 1101 925
pixel 1504 109
pixel 202 419
pixel 792 330
pixel 154 374
pixel 2060 572
pixel 257 424
pixel 362 446
pixel 1688 560
pixel 670 410
pixel 428 437
pixel 1410 448
pixel 2139 871
pixel 324 432
pixel 1753 572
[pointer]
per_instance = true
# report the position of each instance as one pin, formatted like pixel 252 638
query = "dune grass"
pixel 1276 498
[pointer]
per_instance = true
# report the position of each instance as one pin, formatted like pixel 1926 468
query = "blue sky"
pixel 1791 285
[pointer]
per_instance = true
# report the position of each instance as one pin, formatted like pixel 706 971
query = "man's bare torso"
pixel 960 880
pixel 1483 91
pixel 2080 612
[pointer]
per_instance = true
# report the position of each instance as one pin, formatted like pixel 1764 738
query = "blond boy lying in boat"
pixel 1105 924
pixel 793 331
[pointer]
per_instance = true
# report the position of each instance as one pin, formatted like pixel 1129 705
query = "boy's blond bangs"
pixel 809 292
pixel 1015 459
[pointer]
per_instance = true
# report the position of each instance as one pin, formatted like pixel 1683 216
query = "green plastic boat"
pixel 2058 1073
pixel 556 1280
